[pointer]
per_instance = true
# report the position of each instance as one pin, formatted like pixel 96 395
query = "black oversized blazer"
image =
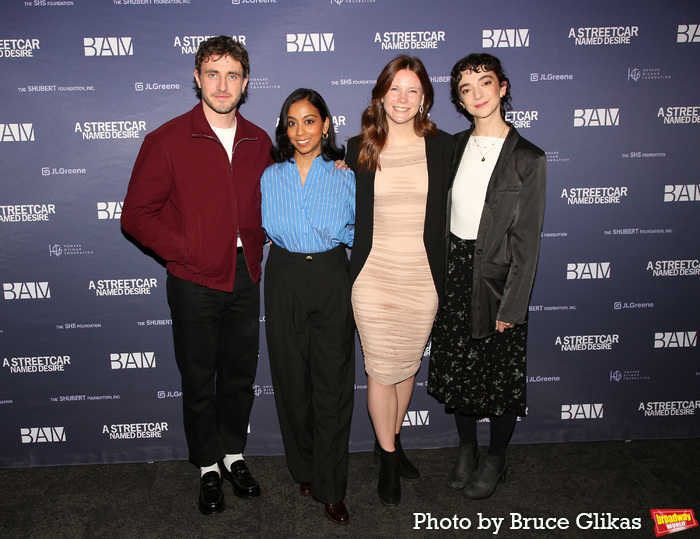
pixel 439 154
pixel 508 240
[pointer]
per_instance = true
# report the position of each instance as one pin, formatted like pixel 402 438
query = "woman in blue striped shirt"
pixel 308 212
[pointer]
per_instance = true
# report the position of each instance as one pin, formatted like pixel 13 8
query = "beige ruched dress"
pixel 394 297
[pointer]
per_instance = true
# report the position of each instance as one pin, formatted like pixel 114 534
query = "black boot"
pixel 407 470
pixel 464 466
pixel 389 485
pixel 489 472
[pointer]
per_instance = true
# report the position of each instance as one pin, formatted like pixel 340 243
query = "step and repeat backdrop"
pixel 607 89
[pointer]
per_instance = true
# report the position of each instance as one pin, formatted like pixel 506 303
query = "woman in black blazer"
pixel 495 212
pixel 401 163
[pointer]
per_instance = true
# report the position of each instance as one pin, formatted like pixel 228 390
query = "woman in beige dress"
pixel 401 163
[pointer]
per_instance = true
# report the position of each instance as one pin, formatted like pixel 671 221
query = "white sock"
pixel 230 459
pixel 207 469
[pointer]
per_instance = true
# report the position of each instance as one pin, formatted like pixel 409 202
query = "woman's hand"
pixel 502 326
pixel 342 165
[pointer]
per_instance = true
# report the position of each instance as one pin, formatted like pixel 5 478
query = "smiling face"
pixel 305 129
pixel 222 83
pixel 480 94
pixel 404 98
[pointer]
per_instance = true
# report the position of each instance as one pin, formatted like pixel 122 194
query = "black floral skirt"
pixel 482 377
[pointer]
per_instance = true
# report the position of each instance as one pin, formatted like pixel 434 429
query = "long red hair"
pixel 375 127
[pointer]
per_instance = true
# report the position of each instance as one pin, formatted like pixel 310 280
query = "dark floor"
pixel 594 487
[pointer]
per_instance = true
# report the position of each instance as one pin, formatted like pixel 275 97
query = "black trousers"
pixel 311 344
pixel 216 338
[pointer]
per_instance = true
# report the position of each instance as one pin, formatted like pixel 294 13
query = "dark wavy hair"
pixel 479 63
pixel 375 127
pixel 284 150
pixel 215 48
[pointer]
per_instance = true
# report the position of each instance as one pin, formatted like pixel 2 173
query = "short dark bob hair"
pixel 215 48
pixel 479 63
pixel 284 150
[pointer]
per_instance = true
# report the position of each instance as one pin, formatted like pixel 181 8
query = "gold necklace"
pixel 483 155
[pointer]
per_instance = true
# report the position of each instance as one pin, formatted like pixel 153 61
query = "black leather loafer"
pixel 211 497
pixel 305 488
pixel 244 484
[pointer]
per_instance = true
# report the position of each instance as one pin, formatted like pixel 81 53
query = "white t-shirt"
pixel 471 181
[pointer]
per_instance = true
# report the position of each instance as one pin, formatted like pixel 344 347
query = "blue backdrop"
pixel 607 89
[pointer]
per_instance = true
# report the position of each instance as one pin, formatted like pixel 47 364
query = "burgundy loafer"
pixel 305 488
pixel 337 512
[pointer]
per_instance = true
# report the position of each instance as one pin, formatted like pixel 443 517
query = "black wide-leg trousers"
pixel 311 344
pixel 216 338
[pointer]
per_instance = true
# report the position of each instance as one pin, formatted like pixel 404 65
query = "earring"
pixel 420 109
pixel 325 136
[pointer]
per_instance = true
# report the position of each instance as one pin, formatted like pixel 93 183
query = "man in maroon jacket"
pixel 194 200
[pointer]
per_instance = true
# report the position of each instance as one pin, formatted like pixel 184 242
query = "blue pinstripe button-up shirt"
pixel 310 219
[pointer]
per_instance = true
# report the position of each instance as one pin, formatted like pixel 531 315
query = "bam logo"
pixel 37 435
pixel 586 270
pixel 26 290
pixel 135 360
pixel 108 46
pixel 582 411
pixel 676 339
pixel 596 117
pixel 688 33
pixel 513 37
pixel 682 193
pixel 416 418
pixel 109 210
pixel 16 132
pixel 310 42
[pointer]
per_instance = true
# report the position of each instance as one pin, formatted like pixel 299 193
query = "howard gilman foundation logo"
pixel 133 360
pixel 688 33
pixel 427 39
pixel 123 287
pixel 676 339
pixel 129 431
pixel 29 290
pixel 674 268
pixel 587 270
pixel 679 115
pixel 604 35
pixel 581 411
pixel 110 130
pixel 311 42
pixel 109 210
pixel 580 343
pixel 108 46
pixel 596 117
pixel 511 37
pixel 17 133
pixel 682 193
pixel 18 48
pixel 41 435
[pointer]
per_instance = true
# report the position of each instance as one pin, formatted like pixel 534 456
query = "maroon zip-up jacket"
pixel 187 203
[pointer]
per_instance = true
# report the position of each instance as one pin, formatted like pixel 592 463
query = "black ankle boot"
pixel 389 485
pixel 464 466
pixel 407 470
pixel 490 471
